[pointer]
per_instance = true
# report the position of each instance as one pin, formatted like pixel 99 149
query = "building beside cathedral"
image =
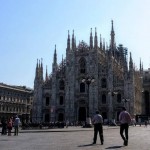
pixel 146 94
pixel 15 100
pixel 92 77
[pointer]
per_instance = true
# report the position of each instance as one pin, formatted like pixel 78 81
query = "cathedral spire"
pixel 55 56
pixel 46 76
pixel 37 68
pixel 68 41
pixel 54 66
pixel 100 42
pixel 130 62
pixel 73 40
pixel 140 65
pixel 41 69
pixel 39 64
pixel 112 41
pixel 91 39
pixel 95 39
pixel 103 44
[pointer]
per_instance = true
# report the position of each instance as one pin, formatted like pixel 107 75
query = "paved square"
pixel 76 138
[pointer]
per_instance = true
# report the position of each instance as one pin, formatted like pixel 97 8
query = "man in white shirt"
pixel 125 120
pixel 16 125
pixel 97 121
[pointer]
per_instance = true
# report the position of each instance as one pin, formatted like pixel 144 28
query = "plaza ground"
pixel 76 138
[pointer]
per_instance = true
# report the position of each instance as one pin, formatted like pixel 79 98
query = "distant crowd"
pixel 58 124
pixel 9 124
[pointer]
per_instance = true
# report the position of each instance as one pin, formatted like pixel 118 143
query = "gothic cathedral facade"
pixel 92 77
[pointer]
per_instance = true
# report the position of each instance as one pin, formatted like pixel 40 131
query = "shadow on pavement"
pixel 112 147
pixel 86 145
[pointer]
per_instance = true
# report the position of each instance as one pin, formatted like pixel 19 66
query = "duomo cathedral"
pixel 93 76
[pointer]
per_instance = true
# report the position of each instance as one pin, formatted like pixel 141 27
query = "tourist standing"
pixel 125 120
pixel 97 121
pixel 4 126
pixel 16 125
pixel 9 126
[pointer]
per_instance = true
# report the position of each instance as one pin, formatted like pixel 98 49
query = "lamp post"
pixel 88 80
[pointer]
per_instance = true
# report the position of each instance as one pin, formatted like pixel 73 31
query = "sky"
pixel 29 30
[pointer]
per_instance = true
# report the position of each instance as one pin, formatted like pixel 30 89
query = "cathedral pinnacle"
pixel 112 41
pixel 73 40
pixel 91 39
pixel 95 39
pixel 100 42
pixel 46 76
pixel 55 56
pixel 68 41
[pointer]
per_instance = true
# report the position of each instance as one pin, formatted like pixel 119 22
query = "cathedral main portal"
pixel 82 114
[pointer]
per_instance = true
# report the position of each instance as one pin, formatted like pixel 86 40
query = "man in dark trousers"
pixel 125 120
pixel 97 121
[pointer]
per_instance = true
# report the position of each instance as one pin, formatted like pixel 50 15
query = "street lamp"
pixel 88 80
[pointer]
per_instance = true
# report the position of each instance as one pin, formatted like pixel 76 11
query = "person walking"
pixel 97 121
pixel 16 125
pixel 146 123
pixel 125 120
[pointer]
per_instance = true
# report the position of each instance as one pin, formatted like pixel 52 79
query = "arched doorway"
pixel 104 115
pixel 47 118
pixel 82 114
pixel 60 117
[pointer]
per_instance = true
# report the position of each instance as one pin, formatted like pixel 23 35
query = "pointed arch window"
pixel 61 100
pixel 119 98
pixel 82 88
pixel 61 85
pixel 104 83
pixel 82 64
pixel 103 99
pixel 47 101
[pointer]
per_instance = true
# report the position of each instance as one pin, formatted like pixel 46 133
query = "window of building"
pixel 119 98
pixel 103 99
pixel 47 101
pixel 61 100
pixel 82 64
pixel 103 83
pixel 61 85
pixel 82 87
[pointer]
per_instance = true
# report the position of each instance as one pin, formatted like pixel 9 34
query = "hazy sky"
pixel 29 30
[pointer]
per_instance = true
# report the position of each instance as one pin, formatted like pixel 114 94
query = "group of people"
pixel 124 119
pixel 7 125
